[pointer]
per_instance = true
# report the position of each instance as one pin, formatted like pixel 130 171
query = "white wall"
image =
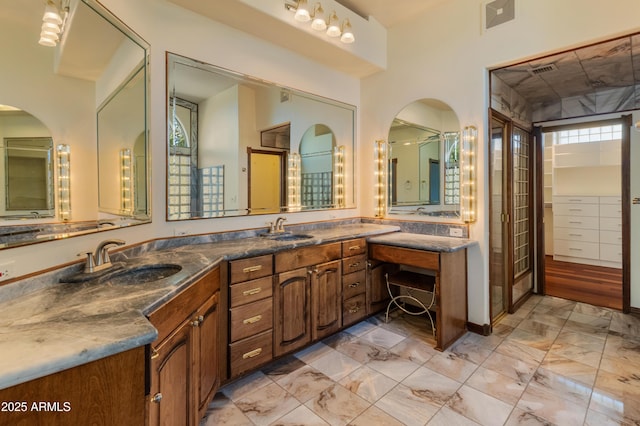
pixel 444 54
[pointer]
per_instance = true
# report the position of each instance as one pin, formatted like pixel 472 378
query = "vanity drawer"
pixel 354 309
pixel 354 264
pixel 611 224
pixel 307 256
pixel 577 249
pixel 250 353
pixel 576 222
pixel 611 252
pixel 251 319
pixel 405 256
pixel 354 247
pixel 250 291
pixel 249 269
pixel 611 210
pixel 574 234
pixel 353 284
pixel 577 209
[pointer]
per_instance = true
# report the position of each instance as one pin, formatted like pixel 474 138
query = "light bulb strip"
pixel 63 152
pixel 380 158
pixel 468 205
pixel 126 182
pixel 53 21
pixel 294 179
pixel 338 175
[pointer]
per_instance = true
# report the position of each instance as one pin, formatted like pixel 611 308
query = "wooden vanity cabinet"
pixel 106 392
pixel 183 368
pixel 308 296
pixel 250 317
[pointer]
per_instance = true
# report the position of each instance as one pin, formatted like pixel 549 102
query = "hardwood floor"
pixel 595 285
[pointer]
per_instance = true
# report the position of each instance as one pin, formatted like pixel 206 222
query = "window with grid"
pixel 179 202
pixel 589 134
pixel 521 202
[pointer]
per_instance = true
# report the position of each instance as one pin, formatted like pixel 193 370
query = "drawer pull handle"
pixel 354 248
pixel 197 321
pixel 354 265
pixel 252 269
pixel 252 354
pixel 252 291
pixel 354 309
pixel 575 235
pixel 354 285
pixel 252 319
pixel 156 398
pixel 575 199
pixel 575 249
pixel 577 223
pixel 575 210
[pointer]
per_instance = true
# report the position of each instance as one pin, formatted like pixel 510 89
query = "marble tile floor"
pixel 554 362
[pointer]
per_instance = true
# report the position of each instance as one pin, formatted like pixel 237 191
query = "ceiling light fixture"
pixel 53 20
pixel 333 26
pixel 318 21
pixel 347 32
pixel 302 12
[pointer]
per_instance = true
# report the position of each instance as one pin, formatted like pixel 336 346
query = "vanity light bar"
pixel 380 154
pixel 338 175
pixel 468 174
pixel 63 153
pixel 294 199
pixel 126 181
pixel 53 21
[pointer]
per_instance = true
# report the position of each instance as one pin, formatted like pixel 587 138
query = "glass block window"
pixel 521 202
pixel 179 202
pixel 212 184
pixel 317 189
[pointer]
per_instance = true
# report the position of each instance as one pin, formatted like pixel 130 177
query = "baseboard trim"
pixel 635 311
pixel 483 330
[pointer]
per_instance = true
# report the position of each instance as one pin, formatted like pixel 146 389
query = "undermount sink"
pixel 292 237
pixel 145 273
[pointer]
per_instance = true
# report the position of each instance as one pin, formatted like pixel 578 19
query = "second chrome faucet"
pixel 100 259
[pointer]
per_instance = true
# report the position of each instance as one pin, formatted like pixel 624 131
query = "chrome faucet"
pixel 100 260
pixel 279 225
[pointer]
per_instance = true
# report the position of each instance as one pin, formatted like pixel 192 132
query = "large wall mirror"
pixel 238 145
pixel 424 151
pixel 73 124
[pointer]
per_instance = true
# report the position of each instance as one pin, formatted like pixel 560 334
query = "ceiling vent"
pixel 542 69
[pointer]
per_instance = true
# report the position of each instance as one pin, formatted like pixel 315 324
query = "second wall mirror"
pixel 424 170
pixel 238 145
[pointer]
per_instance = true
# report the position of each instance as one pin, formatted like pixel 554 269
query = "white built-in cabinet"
pixel 583 185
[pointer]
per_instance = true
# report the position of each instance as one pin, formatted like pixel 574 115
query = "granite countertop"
pixel 422 242
pixel 52 326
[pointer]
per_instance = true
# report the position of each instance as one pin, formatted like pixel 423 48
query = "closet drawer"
pixel 611 200
pixel 611 224
pixel 611 252
pixel 575 199
pixel 576 249
pixel 576 222
pixel 572 234
pixel 576 209
pixel 611 237
pixel 610 210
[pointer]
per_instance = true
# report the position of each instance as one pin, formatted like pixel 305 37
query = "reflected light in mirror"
pixel 64 181
pixel 294 179
pixel 338 175
pixel 380 153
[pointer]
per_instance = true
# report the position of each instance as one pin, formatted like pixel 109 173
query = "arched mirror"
pixel 88 90
pixel 26 166
pixel 424 152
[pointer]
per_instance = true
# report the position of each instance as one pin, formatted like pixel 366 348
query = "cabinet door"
pixel 292 325
pixel 206 352
pixel 171 385
pixel 326 298
pixel 377 293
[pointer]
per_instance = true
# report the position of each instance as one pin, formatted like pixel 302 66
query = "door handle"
pixel 636 200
